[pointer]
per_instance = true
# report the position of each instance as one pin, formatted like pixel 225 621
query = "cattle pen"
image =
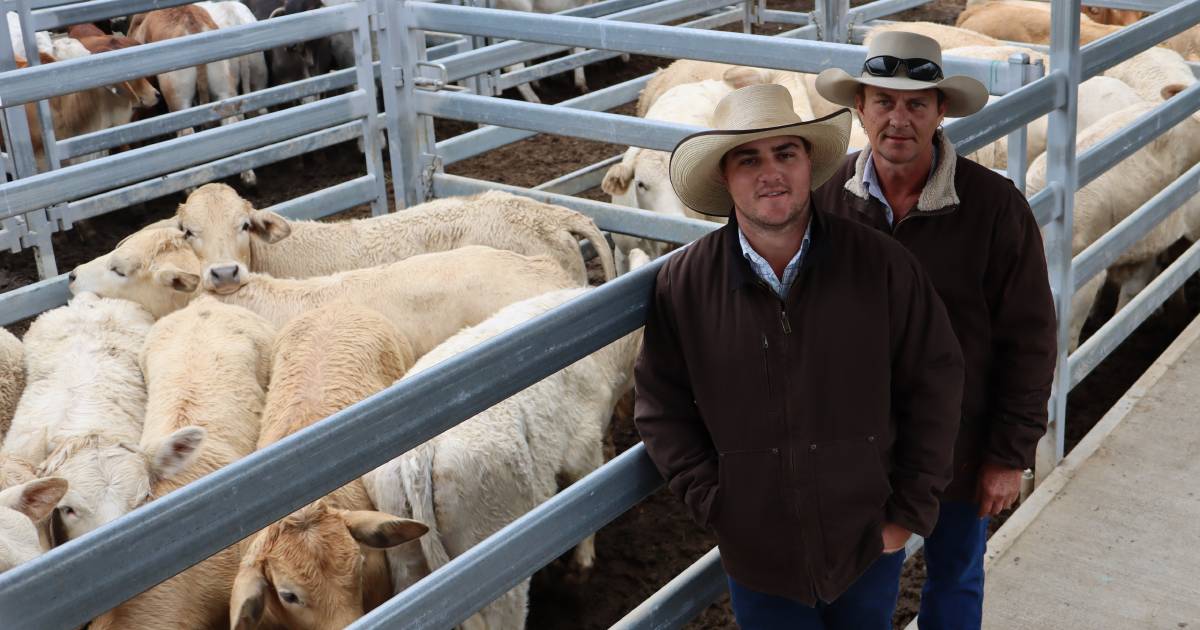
pixel 423 50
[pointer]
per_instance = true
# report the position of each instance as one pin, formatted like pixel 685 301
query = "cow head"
pixel 139 92
pixel 21 508
pixel 154 267
pixel 306 570
pixel 642 180
pixel 1118 17
pixel 218 224
pixel 109 478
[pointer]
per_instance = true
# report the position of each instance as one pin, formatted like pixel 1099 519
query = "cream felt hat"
pixel 964 95
pixel 746 115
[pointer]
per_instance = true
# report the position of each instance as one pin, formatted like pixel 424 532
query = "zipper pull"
pixel 764 338
pixel 787 327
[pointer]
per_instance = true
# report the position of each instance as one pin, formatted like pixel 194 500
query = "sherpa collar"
pixel 939 190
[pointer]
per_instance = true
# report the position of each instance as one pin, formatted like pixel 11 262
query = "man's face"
pixel 768 180
pixel 900 123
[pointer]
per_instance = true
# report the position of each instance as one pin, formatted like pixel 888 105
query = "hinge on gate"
pixel 398 76
pixel 12 233
pixel 37 227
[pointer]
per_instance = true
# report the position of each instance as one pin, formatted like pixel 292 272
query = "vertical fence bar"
pixel 831 20
pixel 399 52
pixel 1061 169
pixel 370 10
pixel 1018 141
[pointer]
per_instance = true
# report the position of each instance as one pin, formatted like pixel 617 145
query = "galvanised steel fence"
pixel 72 583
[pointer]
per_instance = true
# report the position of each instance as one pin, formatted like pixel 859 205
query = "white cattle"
pixel 1155 73
pixel 947 36
pixel 323 566
pixel 428 297
pixel 12 377
pixel 251 67
pixel 642 179
pixel 84 399
pixel 482 474
pixel 207 368
pixel 1119 191
pixel 155 268
pixel 23 508
pixel 223 227
pixel 42 38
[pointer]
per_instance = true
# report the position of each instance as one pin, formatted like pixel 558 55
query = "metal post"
pixel 748 15
pixel 1062 170
pixel 400 51
pixel 364 58
pixel 831 21
pixel 1018 141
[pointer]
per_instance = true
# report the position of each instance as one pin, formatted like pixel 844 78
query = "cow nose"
pixel 71 277
pixel 224 274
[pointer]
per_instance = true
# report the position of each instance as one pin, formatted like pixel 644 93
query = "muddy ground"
pixel 649 545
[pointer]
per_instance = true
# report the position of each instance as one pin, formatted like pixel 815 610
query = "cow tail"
pixel 582 226
pixel 416 473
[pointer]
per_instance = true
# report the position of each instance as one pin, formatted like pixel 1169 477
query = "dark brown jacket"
pixel 796 427
pixel 979 243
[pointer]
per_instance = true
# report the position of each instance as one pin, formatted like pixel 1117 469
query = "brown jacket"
pixel 979 243
pixel 796 427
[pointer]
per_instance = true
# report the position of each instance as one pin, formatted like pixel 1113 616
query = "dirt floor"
pixel 649 545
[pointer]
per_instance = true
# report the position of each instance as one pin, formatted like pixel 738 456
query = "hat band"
pixel 918 69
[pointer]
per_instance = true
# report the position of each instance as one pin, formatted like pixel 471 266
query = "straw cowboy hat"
pixel 746 115
pixel 921 58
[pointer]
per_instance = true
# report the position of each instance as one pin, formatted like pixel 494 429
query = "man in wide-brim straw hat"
pixel 977 239
pixel 799 382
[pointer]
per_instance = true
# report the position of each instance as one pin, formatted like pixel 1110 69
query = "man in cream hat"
pixel 977 239
pixel 799 382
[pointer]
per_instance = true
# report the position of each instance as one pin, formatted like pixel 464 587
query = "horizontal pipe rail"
pixel 202 174
pixel 665 41
pixel 327 201
pixel 682 599
pixel 580 180
pixel 67 13
pixel 1043 203
pixel 881 8
pixel 1138 310
pixel 485 139
pixel 784 17
pixel 1109 247
pixel 510 52
pixel 73 583
pixel 210 112
pixel 450 595
pixel 40 82
pixel 1012 111
pixel 1107 52
pixel 608 217
pixel 32 299
pixel 1110 151
pixel 578 123
pixel 79 180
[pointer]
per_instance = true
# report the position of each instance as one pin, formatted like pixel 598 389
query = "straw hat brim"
pixel 695 163
pixel 964 95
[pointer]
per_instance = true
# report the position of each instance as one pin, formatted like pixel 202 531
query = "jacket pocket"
pixel 746 511
pixel 852 488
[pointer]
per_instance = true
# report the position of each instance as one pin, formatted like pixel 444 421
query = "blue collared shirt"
pixel 763 269
pixel 871 183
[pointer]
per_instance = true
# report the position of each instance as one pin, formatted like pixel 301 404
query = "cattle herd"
pixel 225 328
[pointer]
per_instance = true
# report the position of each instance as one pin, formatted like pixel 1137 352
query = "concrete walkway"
pixel 1111 539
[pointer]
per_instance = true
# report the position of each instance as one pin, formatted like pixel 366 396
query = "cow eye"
pixel 66 510
pixel 642 186
pixel 289 597
pixel 188 233
pixel 246 226
pixel 118 272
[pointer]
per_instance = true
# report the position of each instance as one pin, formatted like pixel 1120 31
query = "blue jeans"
pixel 867 605
pixel 952 598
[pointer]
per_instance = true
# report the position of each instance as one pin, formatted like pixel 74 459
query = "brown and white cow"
pixel 187 87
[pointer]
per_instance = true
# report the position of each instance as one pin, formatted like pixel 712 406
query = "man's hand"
pixel 997 489
pixel 894 537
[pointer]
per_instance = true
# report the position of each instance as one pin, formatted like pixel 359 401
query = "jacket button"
pixel 870 438
pixel 812 447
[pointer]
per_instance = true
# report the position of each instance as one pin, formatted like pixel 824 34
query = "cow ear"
pixel 1171 90
pixel 177 452
pixel 380 530
pixel 248 600
pixel 177 279
pixel 742 76
pixel 616 180
pixel 268 226
pixel 35 499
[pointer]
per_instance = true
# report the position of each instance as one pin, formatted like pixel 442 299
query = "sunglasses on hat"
pixel 918 69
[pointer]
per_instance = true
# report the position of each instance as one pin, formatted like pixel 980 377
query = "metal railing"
pixel 92 574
